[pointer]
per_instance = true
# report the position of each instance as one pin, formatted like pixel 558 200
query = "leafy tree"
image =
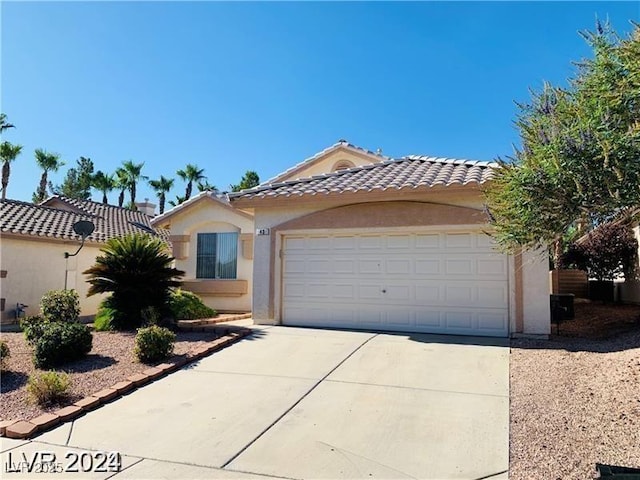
pixel 48 162
pixel 138 273
pixel 606 252
pixel 580 149
pixel 4 124
pixel 8 153
pixel 191 174
pixel 77 182
pixel 104 184
pixel 249 180
pixel 161 187
pixel 132 175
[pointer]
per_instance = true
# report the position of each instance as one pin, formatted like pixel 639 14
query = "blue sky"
pixel 261 86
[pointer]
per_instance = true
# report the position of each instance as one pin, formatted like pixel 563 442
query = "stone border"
pixel 25 429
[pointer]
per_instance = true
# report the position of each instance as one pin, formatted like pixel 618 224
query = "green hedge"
pixel 185 305
pixel 60 342
pixel 154 344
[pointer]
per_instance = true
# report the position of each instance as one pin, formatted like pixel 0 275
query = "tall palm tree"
pixel 104 184
pixel 177 201
pixel 121 183
pixel 191 174
pixel 4 124
pixel 161 187
pixel 48 162
pixel 8 153
pixel 133 173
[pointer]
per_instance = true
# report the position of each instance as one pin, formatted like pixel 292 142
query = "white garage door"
pixel 448 282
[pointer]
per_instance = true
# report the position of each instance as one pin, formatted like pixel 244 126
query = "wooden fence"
pixel 569 281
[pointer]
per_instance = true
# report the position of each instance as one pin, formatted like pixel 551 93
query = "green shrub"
pixel 5 353
pixel 185 305
pixel 61 342
pixel 60 306
pixel 154 344
pixel 33 326
pixel 46 388
pixel 104 317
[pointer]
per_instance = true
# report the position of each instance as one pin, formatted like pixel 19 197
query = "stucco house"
pixel 33 242
pixel 350 238
pixel 213 243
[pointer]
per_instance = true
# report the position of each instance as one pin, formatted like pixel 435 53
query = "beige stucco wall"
pixel 534 269
pixel 326 164
pixel 208 216
pixel 35 267
pixel 535 280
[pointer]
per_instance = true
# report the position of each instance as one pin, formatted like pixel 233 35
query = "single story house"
pixel 213 243
pixel 350 238
pixel 33 242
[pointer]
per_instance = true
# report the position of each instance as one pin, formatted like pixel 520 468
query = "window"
pixel 342 165
pixel 217 255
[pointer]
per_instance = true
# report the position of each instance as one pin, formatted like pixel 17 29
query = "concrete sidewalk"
pixel 308 403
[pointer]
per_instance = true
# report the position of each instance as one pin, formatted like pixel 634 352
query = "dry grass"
pixel 575 398
pixel 110 361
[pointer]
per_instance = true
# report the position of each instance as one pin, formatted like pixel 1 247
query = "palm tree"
pixel 104 184
pixel 177 201
pixel 121 183
pixel 161 187
pixel 48 162
pixel 8 153
pixel 205 186
pixel 191 174
pixel 138 273
pixel 133 175
pixel 4 124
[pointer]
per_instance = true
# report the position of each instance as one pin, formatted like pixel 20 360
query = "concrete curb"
pixel 22 429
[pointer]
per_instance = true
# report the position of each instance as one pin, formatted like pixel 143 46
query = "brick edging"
pixel 25 429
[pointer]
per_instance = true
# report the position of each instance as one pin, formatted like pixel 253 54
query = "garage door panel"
pixel 444 282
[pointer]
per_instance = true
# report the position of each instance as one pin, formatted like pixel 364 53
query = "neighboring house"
pixel 352 239
pixel 630 288
pixel 213 243
pixel 33 242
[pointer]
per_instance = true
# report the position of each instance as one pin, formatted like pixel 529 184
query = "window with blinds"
pixel 217 255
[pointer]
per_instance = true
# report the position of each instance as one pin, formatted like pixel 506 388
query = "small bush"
pixel 61 342
pixel 60 306
pixel 154 344
pixel 33 326
pixel 5 353
pixel 46 388
pixel 104 318
pixel 185 305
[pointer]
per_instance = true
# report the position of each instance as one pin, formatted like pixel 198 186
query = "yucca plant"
pixel 137 271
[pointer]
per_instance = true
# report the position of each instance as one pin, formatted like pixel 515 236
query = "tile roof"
pixel 56 222
pixel 222 198
pixel 326 151
pixel 412 172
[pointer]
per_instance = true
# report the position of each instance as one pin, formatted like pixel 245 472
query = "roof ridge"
pixel 460 161
pixel 47 207
pixel 325 151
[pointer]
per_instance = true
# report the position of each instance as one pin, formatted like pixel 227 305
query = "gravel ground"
pixel 576 401
pixel 110 361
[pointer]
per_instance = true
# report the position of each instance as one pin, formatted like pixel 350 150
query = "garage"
pixel 445 282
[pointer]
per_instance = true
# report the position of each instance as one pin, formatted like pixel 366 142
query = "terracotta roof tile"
pixel 412 172
pixel 46 220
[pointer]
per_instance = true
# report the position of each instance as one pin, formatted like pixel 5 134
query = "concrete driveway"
pixel 308 403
